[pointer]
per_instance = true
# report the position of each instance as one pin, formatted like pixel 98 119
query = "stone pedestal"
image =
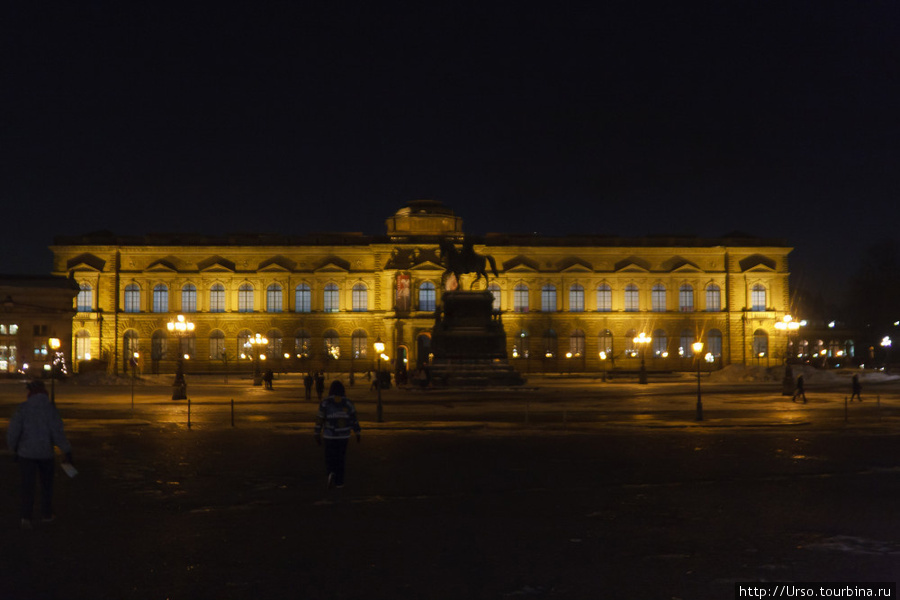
pixel 469 344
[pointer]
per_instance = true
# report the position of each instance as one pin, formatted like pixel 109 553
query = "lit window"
pixel 576 298
pixel 632 298
pixel 189 298
pixel 274 299
pixel 301 344
pixel 686 298
pixel 760 344
pixel 359 344
pixel 303 298
pixel 714 342
pixel 217 298
pixel 216 345
pixel 758 297
pixel 132 298
pixel 160 298
pixel 426 296
pixel 548 298
pixel 576 343
pixel 275 345
pixel 332 298
pixel 82 345
pixel 520 298
pixel 660 343
pixel 85 300
pixel 245 298
pixel 686 347
pixel 713 298
pixel 550 344
pixel 494 289
pixel 604 298
pixel 658 298
pixel 332 344
pixel 158 345
pixel 360 298
pixel 605 343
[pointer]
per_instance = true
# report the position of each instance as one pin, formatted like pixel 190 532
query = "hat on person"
pixel 36 385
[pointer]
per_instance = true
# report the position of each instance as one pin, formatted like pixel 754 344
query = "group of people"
pixel 855 386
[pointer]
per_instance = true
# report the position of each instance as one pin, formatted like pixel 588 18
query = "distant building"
pixel 34 311
pixel 321 301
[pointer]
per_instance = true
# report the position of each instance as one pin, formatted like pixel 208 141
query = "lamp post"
pixel 181 327
pixel 133 362
pixel 379 349
pixel 698 348
pixel 254 344
pixel 54 346
pixel 642 341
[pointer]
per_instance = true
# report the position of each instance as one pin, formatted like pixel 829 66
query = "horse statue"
pixel 466 260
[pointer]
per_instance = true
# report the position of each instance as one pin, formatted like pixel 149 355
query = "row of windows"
pixel 427 298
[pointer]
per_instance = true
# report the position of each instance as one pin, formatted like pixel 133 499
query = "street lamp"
pixel 133 362
pixel 698 348
pixel 642 341
pixel 254 344
pixel 54 346
pixel 180 327
pixel 379 350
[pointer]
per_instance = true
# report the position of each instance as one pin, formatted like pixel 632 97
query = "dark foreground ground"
pixel 457 511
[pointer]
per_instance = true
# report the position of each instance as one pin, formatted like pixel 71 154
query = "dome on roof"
pixel 424 218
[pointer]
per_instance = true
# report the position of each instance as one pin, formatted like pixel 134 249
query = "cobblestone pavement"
pixel 564 490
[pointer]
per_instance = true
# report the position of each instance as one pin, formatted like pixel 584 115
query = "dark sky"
pixel 773 118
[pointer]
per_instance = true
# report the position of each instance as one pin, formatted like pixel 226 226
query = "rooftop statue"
pixel 466 260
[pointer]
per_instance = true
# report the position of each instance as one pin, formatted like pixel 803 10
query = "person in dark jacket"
pixel 334 423
pixel 35 428
pixel 856 387
pixel 320 385
pixel 307 384
pixel 800 391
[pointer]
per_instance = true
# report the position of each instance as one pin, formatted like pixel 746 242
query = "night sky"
pixel 773 118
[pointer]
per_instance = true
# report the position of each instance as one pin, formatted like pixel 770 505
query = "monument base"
pixel 469 344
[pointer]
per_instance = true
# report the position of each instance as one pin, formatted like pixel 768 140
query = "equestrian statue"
pixel 466 260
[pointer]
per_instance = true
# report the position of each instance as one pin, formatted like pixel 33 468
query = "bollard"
pixel 189 413
pixel 232 412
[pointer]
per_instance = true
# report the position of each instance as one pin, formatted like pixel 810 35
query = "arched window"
pixel 303 298
pixel 359 344
pixel 245 351
pixel 274 298
pixel 630 346
pixel 158 345
pixel 160 298
pixel 332 298
pixel 360 297
pixel 576 298
pixel 521 345
pixel 494 289
pixel 302 344
pixel 576 344
pixel 632 298
pixel 130 345
pixel 658 298
pixel 189 298
pixel 275 345
pixel 187 345
pixel 605 344
pixel 758 297
pixel 85 301
pixel 686 343
pixel 713 298
pixel 520 298
pixel 216 344
pixel 714 342
pixel 132 298
pixel 332 344
pixel 660 343
pixel 83 345
pixel 548 298
pixel 217 298
pixel 686 298
pixel 760 344
pixel 550 343
pixel 426 296
pixel 245 298
pixel 604 298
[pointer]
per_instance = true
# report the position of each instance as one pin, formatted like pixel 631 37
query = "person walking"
pixel 857 388
pixel 800 391
pixel 34 429
pixel 335 421
pixel 320 384
pixel 308 383
pixel 268 377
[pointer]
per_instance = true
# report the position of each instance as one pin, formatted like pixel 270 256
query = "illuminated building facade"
pixel 568 304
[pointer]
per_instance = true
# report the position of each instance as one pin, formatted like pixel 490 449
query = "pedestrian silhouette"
pixel 800 391
pixel 308 383
pixel 268 377
pixel 320 385
pixel 857 388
